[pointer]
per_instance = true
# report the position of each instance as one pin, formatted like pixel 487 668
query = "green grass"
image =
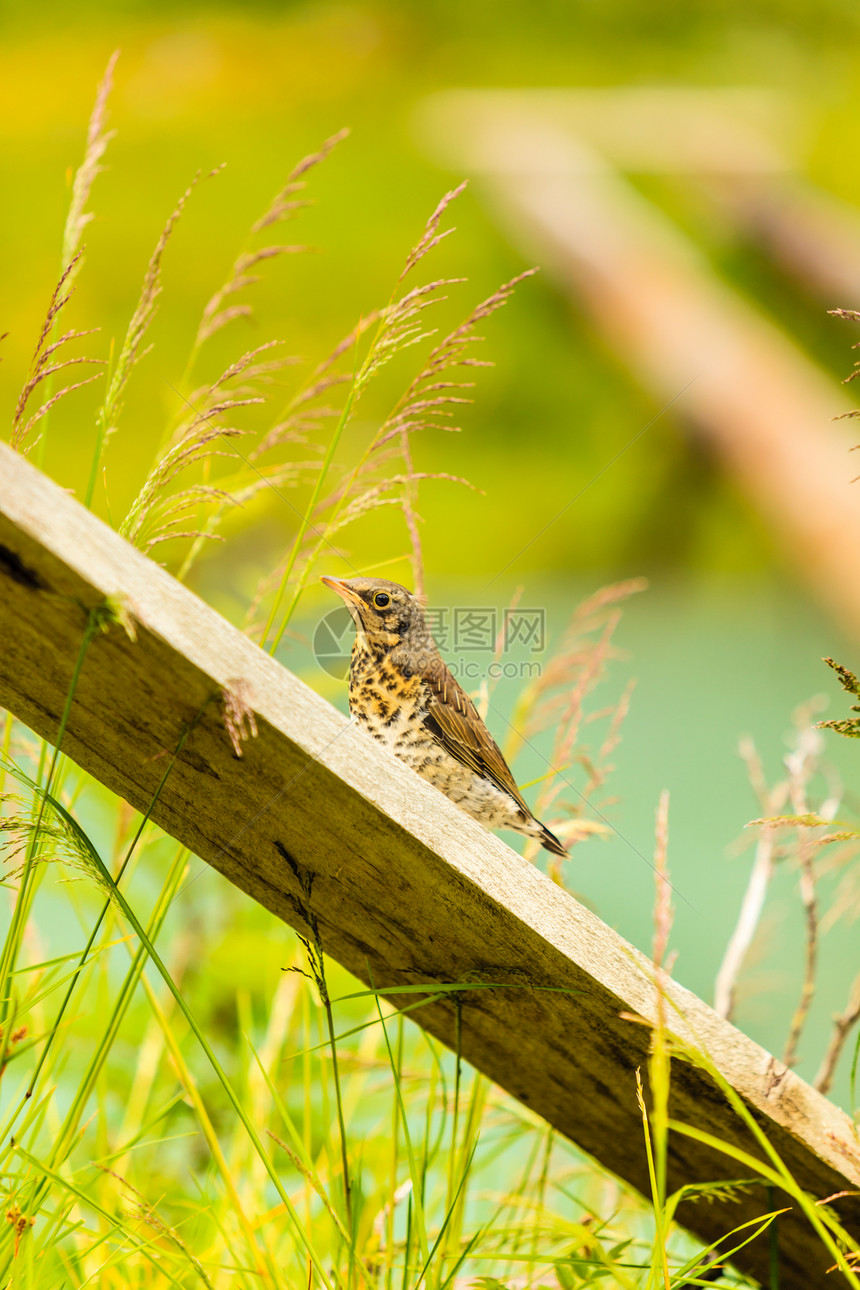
pixel 162 1130
pixel 190 1093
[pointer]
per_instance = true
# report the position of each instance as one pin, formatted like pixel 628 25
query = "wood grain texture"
pixel 405 887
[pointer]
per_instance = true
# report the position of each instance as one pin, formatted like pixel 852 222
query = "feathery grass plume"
pixel 290 428
pixel 847 726
pixel 98 138
pixel 398 327
pixel 374 496
pixel 61 836
pixel 132 350
pixel 301 417
pixel 193 442
pixel 157 514
pixel 850 315
pixel 77 219
pixel 239 719
pixel 426 404
pixel 557 698
pixel 798 838
pixel 217 313
pixel 303 414
pixel 44 365
pixel 429 402
pixel 400 320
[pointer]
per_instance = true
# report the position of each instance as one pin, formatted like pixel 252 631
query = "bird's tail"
pixel 550 841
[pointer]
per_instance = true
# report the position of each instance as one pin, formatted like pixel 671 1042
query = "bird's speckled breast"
pixel 391 707
pixel 388 704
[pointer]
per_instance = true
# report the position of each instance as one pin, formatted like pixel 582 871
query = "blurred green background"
pixel 726 642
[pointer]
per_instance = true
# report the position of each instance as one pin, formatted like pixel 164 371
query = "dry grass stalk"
pixel 132 349
pixel 663 915
pixel 558 697
pixel 843 1024
pixel 429 400
pixel 239 716
pixel 484 693
pixel 801 763
pixel 846 901
pixel 98 138
pixel 386 466
pixel 44 366
pixel 431 237
pixel 850 315
pixel 771 802
pixel 157 515
pixel 217 313
pixel 303 414
pixel 579 663
pixel 801 836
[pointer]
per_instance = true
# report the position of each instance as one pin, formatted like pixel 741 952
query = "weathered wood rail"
pixel 404 886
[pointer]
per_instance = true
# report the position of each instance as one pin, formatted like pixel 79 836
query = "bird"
pixel 401 693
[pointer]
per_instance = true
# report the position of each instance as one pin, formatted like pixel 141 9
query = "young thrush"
pixel 405 697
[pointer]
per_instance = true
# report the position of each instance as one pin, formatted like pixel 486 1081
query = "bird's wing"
pixel 453 719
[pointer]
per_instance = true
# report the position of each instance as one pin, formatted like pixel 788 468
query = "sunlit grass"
pixel 290 1130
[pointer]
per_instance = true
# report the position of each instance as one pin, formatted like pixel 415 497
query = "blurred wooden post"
pixel 315 819
pixel 760 402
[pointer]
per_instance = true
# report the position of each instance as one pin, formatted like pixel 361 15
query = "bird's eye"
pixel 381 599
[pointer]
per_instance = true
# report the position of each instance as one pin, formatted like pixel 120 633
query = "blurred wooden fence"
pixel 550 165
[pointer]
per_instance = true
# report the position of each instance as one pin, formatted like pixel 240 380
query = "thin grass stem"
pixel 106 906
pixel 12 943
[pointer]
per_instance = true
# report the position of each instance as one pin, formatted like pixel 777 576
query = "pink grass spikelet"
pixel 41 367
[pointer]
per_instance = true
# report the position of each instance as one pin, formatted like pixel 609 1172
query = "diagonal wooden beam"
pixel 405 888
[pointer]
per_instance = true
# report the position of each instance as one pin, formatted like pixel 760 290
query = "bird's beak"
pixel 343 589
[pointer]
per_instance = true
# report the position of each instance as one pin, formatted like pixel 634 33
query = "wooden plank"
pixel 404 886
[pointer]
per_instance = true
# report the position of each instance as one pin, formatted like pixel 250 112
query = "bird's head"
pixel 387 615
